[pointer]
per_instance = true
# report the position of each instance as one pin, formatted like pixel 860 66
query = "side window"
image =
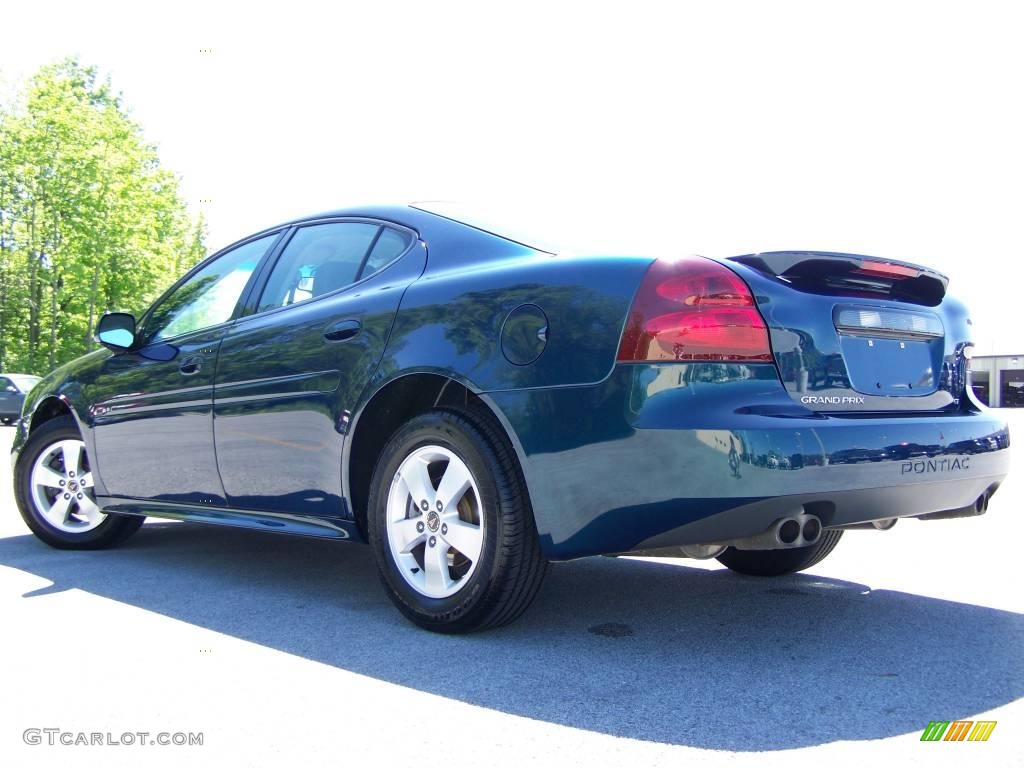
pixel 6 385
pixel 389 245
pixel 209 297
pixel 317 260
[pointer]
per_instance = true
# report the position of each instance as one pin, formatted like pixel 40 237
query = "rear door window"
pixel 389 246
pixel 319 259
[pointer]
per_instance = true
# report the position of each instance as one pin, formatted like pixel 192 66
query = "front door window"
pixel 208 297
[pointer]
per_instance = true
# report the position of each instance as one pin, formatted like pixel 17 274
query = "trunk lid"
pixel 860 334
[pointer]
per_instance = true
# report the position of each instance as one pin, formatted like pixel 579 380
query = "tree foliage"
pixel 89 221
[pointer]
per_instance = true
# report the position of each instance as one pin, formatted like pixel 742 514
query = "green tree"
pixel 89 220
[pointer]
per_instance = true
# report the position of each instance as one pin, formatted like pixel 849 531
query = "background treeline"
pixel 89 221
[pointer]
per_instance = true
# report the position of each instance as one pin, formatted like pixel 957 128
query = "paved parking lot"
pixel 278 647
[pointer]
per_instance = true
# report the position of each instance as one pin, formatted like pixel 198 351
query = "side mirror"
pixel 116 331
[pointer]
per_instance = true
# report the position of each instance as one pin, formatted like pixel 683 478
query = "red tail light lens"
pixel 694 309
pixel 885 269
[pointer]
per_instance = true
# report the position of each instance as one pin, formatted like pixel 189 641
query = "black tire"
pixel 510 568
pixel 779 562
pixel 112 531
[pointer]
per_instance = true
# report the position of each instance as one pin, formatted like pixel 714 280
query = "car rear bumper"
pixel 670 454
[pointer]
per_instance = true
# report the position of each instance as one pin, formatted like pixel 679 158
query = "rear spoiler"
pixel 849 274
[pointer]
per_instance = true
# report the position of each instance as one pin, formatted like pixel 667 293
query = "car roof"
pixel 436 218
pixel 21 378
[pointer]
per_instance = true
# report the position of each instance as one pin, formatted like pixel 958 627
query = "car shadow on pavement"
pixel 652 651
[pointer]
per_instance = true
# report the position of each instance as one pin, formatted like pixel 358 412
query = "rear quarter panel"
pixel 451 319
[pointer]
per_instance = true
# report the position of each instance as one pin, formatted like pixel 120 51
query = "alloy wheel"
pixel 62 488
pixel 435 528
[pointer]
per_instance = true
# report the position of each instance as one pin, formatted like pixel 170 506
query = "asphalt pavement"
pixel 283 650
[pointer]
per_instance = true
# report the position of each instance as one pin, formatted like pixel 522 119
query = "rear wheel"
pixel 451 525
pixel 53 486
pixel 778 562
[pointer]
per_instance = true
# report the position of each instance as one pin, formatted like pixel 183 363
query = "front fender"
pixel 60 390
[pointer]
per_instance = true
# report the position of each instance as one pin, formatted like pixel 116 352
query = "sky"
pixel 891 129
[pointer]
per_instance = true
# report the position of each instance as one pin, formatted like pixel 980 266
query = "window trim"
pixel 251 308
pixel 147 337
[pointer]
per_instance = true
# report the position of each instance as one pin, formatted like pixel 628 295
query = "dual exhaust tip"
pixel 797 531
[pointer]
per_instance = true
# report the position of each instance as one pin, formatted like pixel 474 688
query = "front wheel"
pixel 778 562
pixel 54 489
pixel 451 525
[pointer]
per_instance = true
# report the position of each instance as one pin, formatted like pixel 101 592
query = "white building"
pixel 998 380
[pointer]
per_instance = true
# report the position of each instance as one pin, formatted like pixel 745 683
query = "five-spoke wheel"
pixel 451 524
pixel 434 526
pixel 62 488
pixel 54 490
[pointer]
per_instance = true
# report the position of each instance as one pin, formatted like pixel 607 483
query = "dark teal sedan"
pixel 474 404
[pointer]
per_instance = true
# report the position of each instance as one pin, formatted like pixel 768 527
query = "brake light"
pixel 694 309
pixel 885 269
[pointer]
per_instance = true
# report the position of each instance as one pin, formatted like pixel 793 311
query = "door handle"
pixel 191 366
pixel 343 330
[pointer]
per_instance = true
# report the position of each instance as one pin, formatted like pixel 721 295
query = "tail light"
pixel 694 309
pixel 885 269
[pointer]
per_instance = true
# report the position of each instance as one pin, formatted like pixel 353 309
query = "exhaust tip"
pixel 812 530
pixel 789 531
